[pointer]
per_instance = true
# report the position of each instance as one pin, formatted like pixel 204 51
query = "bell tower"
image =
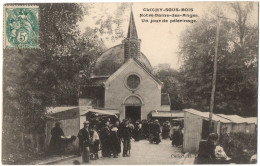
pixel 131 42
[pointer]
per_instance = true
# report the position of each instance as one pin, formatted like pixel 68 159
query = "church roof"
pixel 113 76
pixel 113 59
pixel 148 71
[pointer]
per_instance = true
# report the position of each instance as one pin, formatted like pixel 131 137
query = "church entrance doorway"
pixel 133 113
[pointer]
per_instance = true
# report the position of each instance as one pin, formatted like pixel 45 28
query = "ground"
pixel 142 152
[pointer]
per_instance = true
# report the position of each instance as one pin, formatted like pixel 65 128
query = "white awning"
pixel 52 110
pixel 100 111
pixel 223 118
pixel 168 114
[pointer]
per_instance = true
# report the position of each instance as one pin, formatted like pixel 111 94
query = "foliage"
pixel 236 88
pixel 109 25
pixel 36 79
pixel 171 84
pixel 239 146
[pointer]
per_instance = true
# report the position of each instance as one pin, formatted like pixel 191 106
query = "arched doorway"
pixel 133 108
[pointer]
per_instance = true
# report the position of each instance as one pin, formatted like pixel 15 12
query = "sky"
pixel 159 41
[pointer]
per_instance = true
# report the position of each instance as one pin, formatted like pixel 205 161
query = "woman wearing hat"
pixel 56 140
pixel 137 131
pixel 105 138
pixel 115 139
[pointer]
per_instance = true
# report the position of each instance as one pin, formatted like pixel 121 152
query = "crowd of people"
pixel 108 137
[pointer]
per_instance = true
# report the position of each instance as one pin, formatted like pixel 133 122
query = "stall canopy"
pixel 166 114
pixel 62 113
pixel 73 112
pixel 251 120
pixel 224 118
pixel 205 115
pixel 94 115
pixel 239 119
pixel 100 111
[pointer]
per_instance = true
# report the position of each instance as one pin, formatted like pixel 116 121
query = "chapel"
pixel 122 80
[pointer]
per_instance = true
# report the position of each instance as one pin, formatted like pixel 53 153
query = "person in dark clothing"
pixel 145 129
pixel 137 131
pixel 155 132
pixel 150 126
pixel 125 133
pixel 165 130
pixel 84 142
pixel 207 150
pixel 105 138
pixel 56 141
pixel 115 140
pixel 131 127
pixel 151 131
pixel 177 138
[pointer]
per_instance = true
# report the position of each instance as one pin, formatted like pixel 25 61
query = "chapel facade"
pixel 122 79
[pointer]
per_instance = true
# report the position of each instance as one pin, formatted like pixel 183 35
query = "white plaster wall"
pixel 149 91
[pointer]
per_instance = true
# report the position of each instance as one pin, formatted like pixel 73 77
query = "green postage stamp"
pixel 21 26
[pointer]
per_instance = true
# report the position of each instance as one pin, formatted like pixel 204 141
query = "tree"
pixel 236 89
pixel 36 79
pixel 171 84
pixel 109 25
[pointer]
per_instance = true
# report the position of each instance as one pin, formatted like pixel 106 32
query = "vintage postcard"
pixel 160 83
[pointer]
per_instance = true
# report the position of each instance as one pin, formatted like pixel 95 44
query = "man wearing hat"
pixel 126 137
pixel 84 141
pixel 137 131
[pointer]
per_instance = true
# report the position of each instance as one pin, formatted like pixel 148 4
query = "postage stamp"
pixel 21 26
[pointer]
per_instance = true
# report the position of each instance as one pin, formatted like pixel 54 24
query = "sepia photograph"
pixel 130 83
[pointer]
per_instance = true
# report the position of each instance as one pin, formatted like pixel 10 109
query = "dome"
pixel 113 59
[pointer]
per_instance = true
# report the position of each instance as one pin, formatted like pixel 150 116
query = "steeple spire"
pixel 131 42
pixel 132 32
